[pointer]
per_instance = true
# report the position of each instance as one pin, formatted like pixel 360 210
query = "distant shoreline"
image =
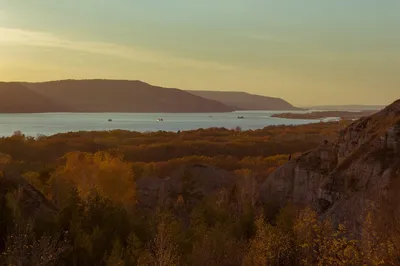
pixel 326 114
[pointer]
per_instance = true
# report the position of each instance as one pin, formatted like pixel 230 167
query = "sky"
pixel 309 52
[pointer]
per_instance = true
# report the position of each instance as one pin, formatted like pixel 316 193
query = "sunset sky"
pixel 307 52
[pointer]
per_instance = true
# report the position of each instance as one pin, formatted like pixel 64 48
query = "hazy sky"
pixel 307 52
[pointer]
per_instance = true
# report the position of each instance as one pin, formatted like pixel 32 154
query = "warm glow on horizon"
pixel 314 53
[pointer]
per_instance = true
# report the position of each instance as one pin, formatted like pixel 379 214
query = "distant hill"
pixel 101 96
pixel 16 98
pixel 246 101
pixel 123 96
pixel 98 95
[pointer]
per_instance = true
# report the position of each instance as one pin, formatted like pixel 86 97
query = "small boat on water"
pixel 240 117
pixel 160 119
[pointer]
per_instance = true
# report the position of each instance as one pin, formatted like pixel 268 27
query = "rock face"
pixel 300 180
pixel 343 178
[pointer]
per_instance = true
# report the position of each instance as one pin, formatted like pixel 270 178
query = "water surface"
pixel 52 123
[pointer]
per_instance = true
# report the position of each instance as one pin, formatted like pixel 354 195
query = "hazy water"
pixel 52 123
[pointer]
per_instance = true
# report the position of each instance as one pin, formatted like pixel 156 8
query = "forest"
pixel 90 212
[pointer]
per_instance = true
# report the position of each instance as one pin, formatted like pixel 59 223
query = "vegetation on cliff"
pixel 90 185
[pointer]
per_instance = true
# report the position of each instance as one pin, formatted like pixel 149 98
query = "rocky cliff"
pixel 342 179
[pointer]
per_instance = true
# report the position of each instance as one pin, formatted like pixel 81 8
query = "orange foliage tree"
pixel 99 173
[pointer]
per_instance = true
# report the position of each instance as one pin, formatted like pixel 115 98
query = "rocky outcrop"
pixel 343 178
pixel 392 139
pixel 300 180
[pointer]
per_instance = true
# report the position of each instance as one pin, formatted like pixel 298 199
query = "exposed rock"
pixel 342 179
pixel 300 179
pixel 392 139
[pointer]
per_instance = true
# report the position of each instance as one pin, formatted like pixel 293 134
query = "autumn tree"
pixel 162 249
pixel 247 189
pixel 381 227
pixel 99 173
pixel 116 257
pixel 23 247
pixel 269 246
pixel 319 243
pixel 215 246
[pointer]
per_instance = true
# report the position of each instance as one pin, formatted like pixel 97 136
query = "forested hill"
pixel 16 98
pixel 246 101
pixel 101 96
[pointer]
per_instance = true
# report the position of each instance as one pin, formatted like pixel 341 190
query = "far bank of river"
pixel 325 114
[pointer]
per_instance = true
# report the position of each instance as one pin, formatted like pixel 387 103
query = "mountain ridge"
pixel 16 98
pixel 97 95
pixel 246 101
pixel 108 95
pixel 100 95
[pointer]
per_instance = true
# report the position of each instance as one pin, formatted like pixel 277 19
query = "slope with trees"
pixel 123 96
pixel 246 101
pixel 16 98
pixel 100 96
